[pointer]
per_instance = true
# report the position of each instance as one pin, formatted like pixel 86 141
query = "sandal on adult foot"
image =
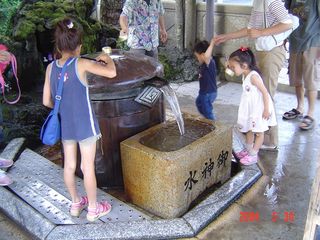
pixel 307 123
pixel 292 114
pixel 76 208
pixel 102 209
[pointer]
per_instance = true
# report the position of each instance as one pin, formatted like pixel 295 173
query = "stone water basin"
pixel 164 172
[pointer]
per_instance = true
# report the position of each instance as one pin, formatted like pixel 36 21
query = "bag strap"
pixel 58 96
pixel 13 62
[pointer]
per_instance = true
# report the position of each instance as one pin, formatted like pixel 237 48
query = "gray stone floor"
pixel 288 175
pixel 285 186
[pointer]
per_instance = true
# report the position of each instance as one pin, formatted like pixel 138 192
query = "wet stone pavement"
pixel 276 206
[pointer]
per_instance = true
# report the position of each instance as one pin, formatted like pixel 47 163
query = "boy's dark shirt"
pixel 207 78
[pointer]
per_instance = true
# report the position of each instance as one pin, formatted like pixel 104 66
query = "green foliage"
pixel 7 10
pixel 44 15
pixel 170 72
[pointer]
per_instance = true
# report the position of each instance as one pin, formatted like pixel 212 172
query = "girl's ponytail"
pixel 68 35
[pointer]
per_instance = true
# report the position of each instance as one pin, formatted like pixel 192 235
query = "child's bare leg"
pixel 70 163
pixel 249 140
pixel 88 152
pixel 258 142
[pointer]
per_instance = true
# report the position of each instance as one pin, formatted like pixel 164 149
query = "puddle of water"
pixel 271 194
pixel 168 138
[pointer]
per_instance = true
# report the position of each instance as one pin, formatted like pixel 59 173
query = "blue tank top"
pixel 207 78
pixel 78 120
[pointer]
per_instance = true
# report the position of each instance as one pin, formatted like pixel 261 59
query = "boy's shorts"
pixel 304 69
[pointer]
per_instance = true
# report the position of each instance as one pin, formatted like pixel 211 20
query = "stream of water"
pixel 172 99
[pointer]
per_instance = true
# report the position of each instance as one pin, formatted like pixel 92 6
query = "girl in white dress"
pixel 256 112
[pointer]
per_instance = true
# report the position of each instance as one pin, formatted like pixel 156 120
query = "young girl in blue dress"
pixel 78 122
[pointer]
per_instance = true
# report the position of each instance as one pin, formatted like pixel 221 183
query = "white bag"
pixel 267 43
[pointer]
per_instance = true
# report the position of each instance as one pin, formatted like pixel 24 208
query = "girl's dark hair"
pixel 245 55
pixel 201 47
pixel 67 35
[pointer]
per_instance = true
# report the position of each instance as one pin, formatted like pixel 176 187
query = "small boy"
pixel 207 78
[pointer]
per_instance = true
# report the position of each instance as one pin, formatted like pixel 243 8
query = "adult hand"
pixel 163 36
pixel 220 39
pixel 254 33
pixel 124 32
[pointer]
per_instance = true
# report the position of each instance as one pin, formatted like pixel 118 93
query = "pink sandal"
pixel 242 153
pixel 4 179
pixel 249 160
pixel 76 208
pixel 102 209
pixel 4 163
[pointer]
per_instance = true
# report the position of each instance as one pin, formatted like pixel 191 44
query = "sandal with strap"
pixel 4 179
pixel 307 123
pixel 241 154
pixel 292 114
pixel 76 208
pixel 102 209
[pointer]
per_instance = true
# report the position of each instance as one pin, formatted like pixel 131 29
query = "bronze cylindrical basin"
pixel 118 114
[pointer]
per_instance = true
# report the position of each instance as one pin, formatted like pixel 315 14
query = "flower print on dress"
pixel 66 77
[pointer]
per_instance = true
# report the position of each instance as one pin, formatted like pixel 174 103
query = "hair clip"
pixel 244 49
pixel 70 25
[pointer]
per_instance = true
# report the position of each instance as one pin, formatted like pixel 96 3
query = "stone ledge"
pixel 148 229
pixel 24 215
pixel 210 208
pixel 13 149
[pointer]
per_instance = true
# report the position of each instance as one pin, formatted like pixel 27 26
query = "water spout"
pixel 174 104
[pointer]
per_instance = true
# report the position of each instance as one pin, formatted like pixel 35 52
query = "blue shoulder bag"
pixel 51 130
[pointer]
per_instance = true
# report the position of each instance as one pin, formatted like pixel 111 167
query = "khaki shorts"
pixel 304 69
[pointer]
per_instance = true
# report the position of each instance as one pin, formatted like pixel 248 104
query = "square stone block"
pixel 165 182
